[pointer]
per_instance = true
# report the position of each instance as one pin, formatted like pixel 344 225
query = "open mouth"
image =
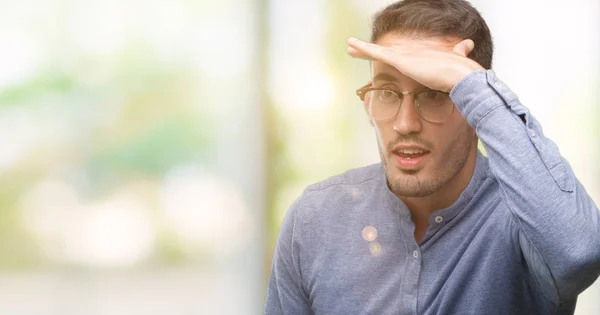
pixel 410 158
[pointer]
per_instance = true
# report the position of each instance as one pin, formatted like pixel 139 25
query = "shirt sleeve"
pixel 285 294
pixel 559 223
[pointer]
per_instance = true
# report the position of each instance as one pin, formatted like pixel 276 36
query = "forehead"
pixel 402 41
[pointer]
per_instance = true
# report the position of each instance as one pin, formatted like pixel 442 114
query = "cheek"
pixel 443 140
pixel 385 134
pixel 456 127
pixel 453 140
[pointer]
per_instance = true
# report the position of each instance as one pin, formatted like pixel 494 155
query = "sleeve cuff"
pixel 479 93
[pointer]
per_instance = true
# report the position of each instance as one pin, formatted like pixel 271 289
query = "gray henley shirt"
pixel 522 238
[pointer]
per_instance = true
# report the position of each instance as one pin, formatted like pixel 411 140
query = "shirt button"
pixel 532 133
pixel 416 254
pixel 439 219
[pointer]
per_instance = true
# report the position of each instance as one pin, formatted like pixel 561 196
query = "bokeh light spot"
pixel 375 248
pixel 369 233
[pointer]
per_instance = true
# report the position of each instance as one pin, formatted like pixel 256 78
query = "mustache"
pixel 413 139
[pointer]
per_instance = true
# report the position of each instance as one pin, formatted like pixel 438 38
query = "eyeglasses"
pixel 432 105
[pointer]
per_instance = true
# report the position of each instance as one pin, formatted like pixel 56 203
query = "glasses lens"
pixel 383 104
pixel 434 106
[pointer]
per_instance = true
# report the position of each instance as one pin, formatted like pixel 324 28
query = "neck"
pixel 421 208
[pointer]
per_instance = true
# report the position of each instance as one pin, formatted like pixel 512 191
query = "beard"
pixel 414 183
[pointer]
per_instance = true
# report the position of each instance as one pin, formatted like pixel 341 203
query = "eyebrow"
pixel 384 77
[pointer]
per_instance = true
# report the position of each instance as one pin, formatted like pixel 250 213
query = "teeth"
pixel 410 151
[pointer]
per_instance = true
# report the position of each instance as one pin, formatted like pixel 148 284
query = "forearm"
pixel 559 222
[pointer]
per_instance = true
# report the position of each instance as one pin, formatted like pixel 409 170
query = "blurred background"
pixel 150 149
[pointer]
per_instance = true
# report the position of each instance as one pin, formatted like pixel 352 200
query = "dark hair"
pixel 437 18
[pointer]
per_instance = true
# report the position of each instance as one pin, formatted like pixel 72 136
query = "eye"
pixel 387 96
pixel 432 100
pixel 432 95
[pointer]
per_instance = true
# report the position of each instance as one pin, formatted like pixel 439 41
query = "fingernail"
pixel 470 44
pixel 352 39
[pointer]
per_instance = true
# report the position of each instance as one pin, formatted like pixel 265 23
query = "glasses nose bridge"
pixel 402 98
pixel 408 118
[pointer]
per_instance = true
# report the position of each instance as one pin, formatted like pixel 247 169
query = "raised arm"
pixel 559 223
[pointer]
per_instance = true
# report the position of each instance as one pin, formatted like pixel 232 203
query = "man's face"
pixel 446 145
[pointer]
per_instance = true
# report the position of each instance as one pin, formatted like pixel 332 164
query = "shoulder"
pixel 357 176
pixel 328 206
pixel 335 196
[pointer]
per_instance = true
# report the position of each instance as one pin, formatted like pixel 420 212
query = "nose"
pixel 408 120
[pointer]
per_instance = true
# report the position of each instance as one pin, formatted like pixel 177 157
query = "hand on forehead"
pixel 433 42
pixel 407 44
pixel 438 63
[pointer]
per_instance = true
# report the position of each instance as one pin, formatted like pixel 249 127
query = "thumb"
pixel 464 48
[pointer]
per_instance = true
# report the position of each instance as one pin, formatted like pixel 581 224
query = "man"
pixel 437 227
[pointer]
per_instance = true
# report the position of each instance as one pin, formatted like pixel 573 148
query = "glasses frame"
pixel 362 91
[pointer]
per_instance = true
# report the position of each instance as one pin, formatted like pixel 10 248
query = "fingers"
pixel 464 48
pixel 364 50
pixel 357 54
pixel 368 51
